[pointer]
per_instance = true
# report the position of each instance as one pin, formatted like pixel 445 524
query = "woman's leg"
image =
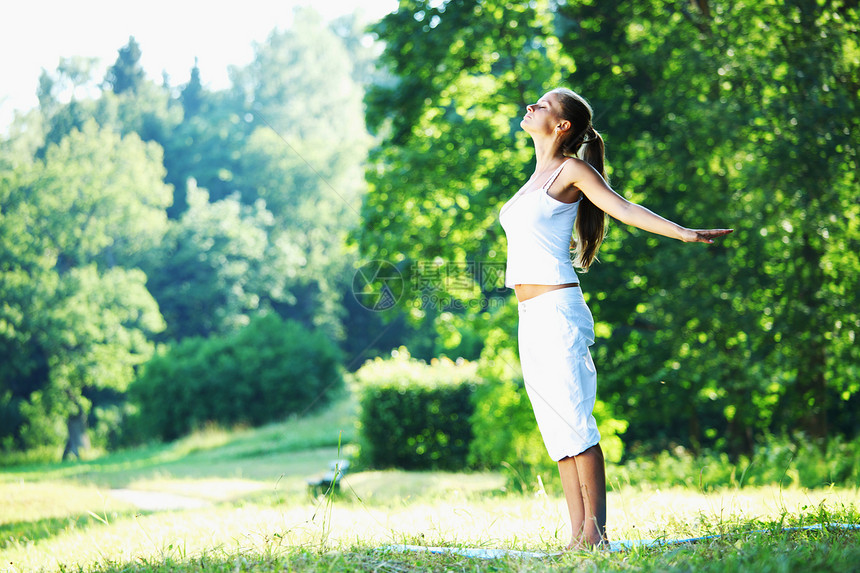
pixel 592 477
pixel 583 478
pixel 573 495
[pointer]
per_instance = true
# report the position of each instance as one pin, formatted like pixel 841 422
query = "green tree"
pixel 72 79
pixel 126 74
pixel 65 98
pixel 653 88
pixel 216 267
pixel 309 143
pixel 74 318
pixel 192 93
pixel 305 159
pixel 450 152
pixel 715 114
pixel 68 98
pixel 206 146
pixel 264 372
pixel 736 112
pixel 290 133
pixel 802 236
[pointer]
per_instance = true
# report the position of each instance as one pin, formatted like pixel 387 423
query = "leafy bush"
pixel 415 415
pixel 775 460
pixel 447 415
pixel 42 428
pixel 107 426
pixel 506 434
pixel 262 373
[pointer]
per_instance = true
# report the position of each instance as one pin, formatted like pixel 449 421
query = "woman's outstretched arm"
pixel 583 176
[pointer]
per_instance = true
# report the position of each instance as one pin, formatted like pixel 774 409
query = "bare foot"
pixel 579 544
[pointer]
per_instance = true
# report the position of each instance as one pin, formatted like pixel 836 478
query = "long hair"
pixel 584 142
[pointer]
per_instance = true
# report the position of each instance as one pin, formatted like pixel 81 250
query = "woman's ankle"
pixel 588 542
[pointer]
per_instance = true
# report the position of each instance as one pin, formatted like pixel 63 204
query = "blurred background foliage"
pixel 172 256
pixel 741 115
pixel 415 415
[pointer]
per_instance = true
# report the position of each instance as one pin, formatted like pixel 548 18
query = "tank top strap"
pixel 554 175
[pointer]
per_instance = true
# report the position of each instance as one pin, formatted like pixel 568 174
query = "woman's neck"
pixel 547 152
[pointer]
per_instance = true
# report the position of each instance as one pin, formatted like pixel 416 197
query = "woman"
pixel 569 186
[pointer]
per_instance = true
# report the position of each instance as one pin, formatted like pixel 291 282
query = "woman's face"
pixel 541 117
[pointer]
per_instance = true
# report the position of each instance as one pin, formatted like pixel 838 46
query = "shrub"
pixel 415 415
pixel 262 373
pixel 506 434
pixel 794 461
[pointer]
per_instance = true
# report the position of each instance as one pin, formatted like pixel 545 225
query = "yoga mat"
pixel 614 546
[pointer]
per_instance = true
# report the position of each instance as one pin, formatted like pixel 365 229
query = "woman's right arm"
pixel 589 181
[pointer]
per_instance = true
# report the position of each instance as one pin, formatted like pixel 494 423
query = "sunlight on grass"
pixel 210 489
pixel 254 453
pixel 252 510
pixel 441 510
pixel 641 513
pixel 400 486
pixel 23 501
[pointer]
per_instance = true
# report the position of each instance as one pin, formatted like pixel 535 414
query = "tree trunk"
pixel 78 439
pixel 814 395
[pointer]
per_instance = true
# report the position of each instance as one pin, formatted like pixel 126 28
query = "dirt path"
pixel 158 501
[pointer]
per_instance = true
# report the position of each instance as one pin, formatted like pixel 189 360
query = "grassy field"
pixel 239 501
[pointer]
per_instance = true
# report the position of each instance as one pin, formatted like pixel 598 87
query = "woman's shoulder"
pixel 574 169
pixel 574 164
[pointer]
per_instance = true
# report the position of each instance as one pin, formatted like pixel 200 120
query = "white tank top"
pixel 539 227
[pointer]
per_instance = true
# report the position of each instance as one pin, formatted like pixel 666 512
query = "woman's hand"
pixel 703 235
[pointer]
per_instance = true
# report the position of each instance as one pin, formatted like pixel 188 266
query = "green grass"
pixel 257 514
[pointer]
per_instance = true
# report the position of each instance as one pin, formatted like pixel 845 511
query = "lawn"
pixel 239 500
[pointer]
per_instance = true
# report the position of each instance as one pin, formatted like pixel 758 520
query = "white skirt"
pixel 555 330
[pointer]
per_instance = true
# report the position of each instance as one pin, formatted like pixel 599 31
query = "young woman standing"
pixel 567 189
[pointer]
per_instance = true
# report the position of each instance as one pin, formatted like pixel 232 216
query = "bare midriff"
pixel 526 291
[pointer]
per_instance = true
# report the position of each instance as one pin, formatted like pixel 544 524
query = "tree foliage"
pixel 127 74
pixel 415 415
pixel 750 126
pixel 715 114
pixel 206 273
pixel 133 212
pixel 289 139
pixel 262 373
pixel 74 318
